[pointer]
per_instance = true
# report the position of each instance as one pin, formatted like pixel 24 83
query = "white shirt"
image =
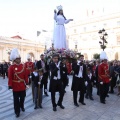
pixel 80 74
pixel 58 74
pixel 35 73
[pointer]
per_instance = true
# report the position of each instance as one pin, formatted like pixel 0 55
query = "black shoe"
pixel 107 95
pixel 23 109
pixel 54 109
pixel 40 106
pixel 17 115
pixel 35 107
pixel 111 92
pixel 98 94
pixel 76 104
pixel 103 102
pixel 61 106
pixel 46 94
pixel 86 97
pixel 91 98
pixel 82 103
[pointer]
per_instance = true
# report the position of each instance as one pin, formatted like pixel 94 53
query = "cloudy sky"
pixel 25 17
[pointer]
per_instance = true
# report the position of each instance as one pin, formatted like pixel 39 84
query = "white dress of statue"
pixel 59 36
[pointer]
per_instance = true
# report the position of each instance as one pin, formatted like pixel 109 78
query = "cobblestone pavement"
pixel 93 110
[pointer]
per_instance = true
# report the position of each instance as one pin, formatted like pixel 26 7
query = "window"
pixel 105 24
pixel 84 29
pixel 118 23
pixel 94 27
pixel 74 30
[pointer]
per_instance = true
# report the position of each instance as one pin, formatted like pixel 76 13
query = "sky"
pixel 26 17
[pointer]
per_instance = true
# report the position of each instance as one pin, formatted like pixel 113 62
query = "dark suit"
pixel 56 85
pixel 64 75
pixel 45 75
pixel 78 84
pixel 89 86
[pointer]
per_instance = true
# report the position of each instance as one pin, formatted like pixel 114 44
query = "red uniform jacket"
pixel 17 78
pixel 29 66
pixel 103 73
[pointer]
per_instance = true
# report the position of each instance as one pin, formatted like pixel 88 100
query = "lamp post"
pixel 103 36
pixel 76 50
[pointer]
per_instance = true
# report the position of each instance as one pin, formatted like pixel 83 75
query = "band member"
pixel 37 76
pixel 42 64
pixel 17 81
pixel 104 77
pixel 56 84
pixel 78 83
pixel 29 67
pixel 90 81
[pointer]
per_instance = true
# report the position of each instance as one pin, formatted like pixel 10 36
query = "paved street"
pixel 94 110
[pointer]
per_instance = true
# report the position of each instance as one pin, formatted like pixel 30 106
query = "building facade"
pixel 34 48
pixel 84 34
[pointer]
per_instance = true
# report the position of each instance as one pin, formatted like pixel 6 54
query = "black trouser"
pixel 19 98
pixel 103 91
pixel 75 94
pixel 5 73
pixel 80 86
pixel 57 85
pixel 45 82
pixel 98 91
pixel 113 84
pixel 89 90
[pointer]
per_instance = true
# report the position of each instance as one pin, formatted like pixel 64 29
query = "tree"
pixel 96 56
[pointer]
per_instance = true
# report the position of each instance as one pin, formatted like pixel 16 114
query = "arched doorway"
pixel 85 56
pixel 32 56
pixel 116 56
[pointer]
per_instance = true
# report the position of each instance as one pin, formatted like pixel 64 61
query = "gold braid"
pixel 16 73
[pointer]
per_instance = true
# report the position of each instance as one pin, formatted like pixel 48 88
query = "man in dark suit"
pixel 79 82
pixel 64 73
pixel 42 64
pixel 56 84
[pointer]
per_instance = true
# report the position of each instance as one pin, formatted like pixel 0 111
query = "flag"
pixel 38 33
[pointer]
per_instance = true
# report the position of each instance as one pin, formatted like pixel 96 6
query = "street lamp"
pixel 103 36
pixel 76 50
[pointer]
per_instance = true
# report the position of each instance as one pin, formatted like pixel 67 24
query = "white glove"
pixel 30 76
pixel 39 83
pixel 86 83
pixel 27 86
pixel 101 83
pixel 94 81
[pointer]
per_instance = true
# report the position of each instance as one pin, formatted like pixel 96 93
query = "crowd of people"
pixel 101 74
pixel 4 69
